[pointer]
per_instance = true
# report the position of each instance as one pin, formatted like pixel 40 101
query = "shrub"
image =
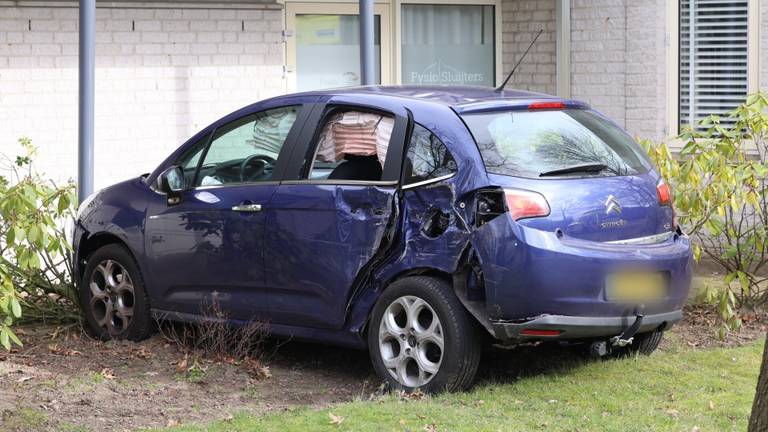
pixel 35 270
pixel 721 199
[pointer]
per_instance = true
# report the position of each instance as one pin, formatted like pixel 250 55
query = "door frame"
pixel 335 8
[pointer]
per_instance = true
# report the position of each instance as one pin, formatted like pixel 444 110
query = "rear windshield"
pixel 571 142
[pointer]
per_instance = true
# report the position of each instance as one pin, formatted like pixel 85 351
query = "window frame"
pixel 303 155
pixel 391 15
pixel 203 143
pixel 282 158
pixel 672 129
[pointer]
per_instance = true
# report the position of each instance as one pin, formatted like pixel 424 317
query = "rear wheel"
pixel 112 296
pixel 420 337
pixel 643 343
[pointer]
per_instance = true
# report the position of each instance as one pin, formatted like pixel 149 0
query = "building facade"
pixel 166 69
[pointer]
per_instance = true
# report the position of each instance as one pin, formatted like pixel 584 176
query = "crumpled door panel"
pixel 319 238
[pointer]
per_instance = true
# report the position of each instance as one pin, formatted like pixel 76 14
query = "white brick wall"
pixel 161 75
pixel 618 61
pixel 598 55
pixel 521 20
pixel 646 68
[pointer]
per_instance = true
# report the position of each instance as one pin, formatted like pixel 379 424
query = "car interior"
pixel 352 146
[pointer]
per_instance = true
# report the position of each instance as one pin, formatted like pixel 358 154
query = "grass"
pixel 23 419
pixel 678 389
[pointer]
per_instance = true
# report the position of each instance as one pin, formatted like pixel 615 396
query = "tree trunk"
pixel 759 420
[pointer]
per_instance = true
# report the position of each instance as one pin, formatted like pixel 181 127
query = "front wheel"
pixel 112 296
pixel 420 337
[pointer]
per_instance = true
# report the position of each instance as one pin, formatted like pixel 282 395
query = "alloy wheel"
pixel 112 296
pixel 411 341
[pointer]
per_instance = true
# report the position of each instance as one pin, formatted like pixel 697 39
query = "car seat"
pixel 364 168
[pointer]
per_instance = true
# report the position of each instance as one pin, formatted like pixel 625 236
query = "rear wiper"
pixel 585 168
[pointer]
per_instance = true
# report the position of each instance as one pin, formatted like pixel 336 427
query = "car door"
pixel 322 230
pixel 208 247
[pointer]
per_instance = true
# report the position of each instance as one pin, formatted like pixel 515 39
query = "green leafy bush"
pixel 35 270
pixel 721 198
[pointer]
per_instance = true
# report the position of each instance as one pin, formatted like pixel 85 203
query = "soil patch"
pixel 63 380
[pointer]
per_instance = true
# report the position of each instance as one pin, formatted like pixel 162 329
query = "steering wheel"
pixel 264 162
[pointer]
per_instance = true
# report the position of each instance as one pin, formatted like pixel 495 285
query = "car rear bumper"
pixel 530 273
pixel 580 327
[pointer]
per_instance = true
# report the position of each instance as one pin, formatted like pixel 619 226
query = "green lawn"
pixel 679 390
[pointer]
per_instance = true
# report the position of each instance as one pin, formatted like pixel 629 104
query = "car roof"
pixel 462 99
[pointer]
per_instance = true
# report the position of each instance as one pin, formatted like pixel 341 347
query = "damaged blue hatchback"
pixel 415 222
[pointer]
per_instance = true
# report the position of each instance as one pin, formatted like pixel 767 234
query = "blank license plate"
pixel 636 286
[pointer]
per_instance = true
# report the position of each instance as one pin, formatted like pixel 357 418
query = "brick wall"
pixel 161 75
pixel 521 20
pixel 598 55
pixel 618 61
pixel 646 68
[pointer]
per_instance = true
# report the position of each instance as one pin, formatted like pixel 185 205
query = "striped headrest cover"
pixel 356 133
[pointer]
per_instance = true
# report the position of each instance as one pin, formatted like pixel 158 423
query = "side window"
pixel 352 145
pixel 246 150
pixel 427 157
pixel 189 160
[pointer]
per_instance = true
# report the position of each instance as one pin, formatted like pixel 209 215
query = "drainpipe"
pixel 87 74
pixel 367 64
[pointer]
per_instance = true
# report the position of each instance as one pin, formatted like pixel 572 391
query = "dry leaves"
pixel 256 369
pixel 141 352
pixel 182 365
pixel 414 395
pixel 61 351
pixel 335 419
pixel 108 373
pixel 673 413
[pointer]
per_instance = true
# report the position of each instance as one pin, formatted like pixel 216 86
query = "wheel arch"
pixel 89 244
pixel 457 280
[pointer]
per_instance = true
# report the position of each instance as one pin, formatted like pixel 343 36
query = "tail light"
pixel 523 204
pixel 535 106
pixel 665 199
pixel 664 193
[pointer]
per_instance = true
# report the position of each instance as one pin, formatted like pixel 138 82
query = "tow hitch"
pixel 627 336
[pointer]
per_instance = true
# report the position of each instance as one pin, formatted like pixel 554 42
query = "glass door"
pixel 448 44
pixel 324 45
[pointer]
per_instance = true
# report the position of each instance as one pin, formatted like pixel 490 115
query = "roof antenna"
pixel 501 87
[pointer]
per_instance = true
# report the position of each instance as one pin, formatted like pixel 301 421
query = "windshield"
pixel 571 142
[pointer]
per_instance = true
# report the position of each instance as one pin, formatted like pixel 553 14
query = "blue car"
pixel 418 222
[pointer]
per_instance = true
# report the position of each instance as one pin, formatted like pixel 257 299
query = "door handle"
pixel 247 208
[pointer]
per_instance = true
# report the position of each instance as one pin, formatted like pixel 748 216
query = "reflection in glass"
pixel 427 157
pixel 328 51
pixel 527 144
pixel 448 44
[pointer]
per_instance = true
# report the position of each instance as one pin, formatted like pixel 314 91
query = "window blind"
pixel 713 58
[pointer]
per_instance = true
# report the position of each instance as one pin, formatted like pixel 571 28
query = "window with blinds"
pixel 713 58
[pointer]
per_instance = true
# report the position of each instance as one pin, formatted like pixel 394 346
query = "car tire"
pixel 643 343
pixel 112 296
pixel 419 352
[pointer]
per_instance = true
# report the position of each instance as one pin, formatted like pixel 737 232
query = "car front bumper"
pixel 579 327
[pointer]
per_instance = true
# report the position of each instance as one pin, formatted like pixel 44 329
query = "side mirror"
pixel 171 182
